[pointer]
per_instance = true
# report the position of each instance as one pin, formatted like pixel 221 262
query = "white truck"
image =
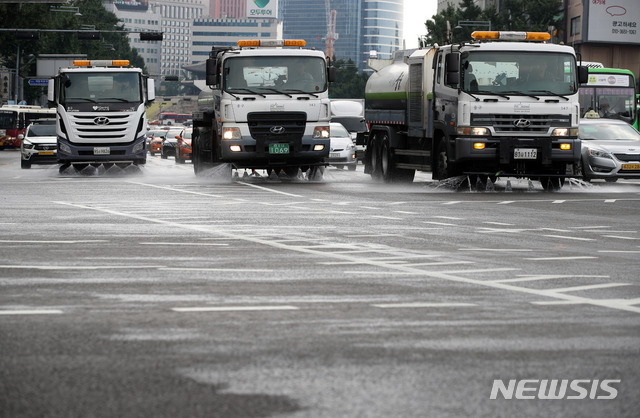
pixel 101 117
pixel 267 108
pixel 503 105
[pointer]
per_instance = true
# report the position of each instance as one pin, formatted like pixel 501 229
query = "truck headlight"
pixel 473 130
pixel 64 148
pixel 565 132
pixel 231 133
pixel 138 147
pixel 321 132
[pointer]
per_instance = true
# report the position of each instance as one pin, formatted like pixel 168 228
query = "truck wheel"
pixel 390 173
pixel 376 166
pixel 441 169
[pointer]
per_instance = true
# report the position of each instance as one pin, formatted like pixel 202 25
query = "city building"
pixel 605 32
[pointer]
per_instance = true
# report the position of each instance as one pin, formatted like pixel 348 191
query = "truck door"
pixel 446 96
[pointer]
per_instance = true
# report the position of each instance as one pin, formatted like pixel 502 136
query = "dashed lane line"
pixel 30 312
pixel 236 308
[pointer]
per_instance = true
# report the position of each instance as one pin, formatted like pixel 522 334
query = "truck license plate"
pixel 631 166
pixel 278 148
pixel 101 150
pixel 525 153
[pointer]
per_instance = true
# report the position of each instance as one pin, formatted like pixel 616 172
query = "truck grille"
pixel 277 126
pixel 103 126
pixel 521 123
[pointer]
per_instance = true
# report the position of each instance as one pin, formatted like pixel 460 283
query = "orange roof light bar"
pixel 272 43
pixel 511 36
pixel 100 63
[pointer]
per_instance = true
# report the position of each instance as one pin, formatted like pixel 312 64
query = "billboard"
pixel 612 21
pixel 262 8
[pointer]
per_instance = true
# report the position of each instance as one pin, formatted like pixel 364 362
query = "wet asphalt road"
pixel 159 294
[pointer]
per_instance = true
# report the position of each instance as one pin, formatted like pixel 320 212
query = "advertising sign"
pixel 262 8
pixel 613 21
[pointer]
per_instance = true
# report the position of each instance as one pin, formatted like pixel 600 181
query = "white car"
pixel 343 150
pixel 39 144
pixel 610 150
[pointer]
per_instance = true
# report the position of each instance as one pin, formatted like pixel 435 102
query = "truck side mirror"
pixel 332 74
pixel 151 89
pixel 51 90
pixel 452 68
pixel 212 72
pixel 583 74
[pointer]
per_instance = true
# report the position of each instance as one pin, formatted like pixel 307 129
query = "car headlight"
pixel 26 144
pixel 595 152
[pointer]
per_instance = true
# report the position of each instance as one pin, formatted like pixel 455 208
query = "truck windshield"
pixel 101 87
pixel 274 75
pixel 511 72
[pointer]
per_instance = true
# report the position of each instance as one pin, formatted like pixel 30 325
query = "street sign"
pixel 39 82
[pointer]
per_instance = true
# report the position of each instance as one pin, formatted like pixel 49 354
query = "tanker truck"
pixel 267 108
pixel 502 105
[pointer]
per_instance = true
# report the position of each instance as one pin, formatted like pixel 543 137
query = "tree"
pixel 514 15
pixel 349 83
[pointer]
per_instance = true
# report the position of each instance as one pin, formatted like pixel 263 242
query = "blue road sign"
pixel 39 82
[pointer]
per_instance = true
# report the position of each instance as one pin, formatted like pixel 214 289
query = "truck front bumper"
pixel 133 152
pixel 251 153
pixel 510 154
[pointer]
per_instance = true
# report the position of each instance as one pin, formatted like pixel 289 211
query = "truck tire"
pixel 390 173
pixel 443 168
pixel 374 158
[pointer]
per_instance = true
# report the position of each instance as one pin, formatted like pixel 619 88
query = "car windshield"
pixel 42 130
pixel 274 75
pixel 608 132
pixel 338 131
pixel 101 87
pixel 515 72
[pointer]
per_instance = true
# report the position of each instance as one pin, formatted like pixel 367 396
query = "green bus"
pixel 612 93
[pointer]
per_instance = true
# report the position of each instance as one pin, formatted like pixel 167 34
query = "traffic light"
pixel 151 36
pixel 27 34
pixel 89 35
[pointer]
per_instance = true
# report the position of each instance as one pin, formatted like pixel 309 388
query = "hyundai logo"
pixel 277 130
pixel 522 123
pixel 101 120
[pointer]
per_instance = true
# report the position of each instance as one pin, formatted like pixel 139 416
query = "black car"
pixel 169 143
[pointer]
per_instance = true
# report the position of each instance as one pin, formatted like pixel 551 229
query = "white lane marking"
pixel 87 241
pixel 619 237
pixel 558 201
pixel 497 223
pixel 268 189
pixel 580 257
pixel 506 202
pixel 437 223
pixel 620 251
pixel 588 287
pixel 454 202
pixel 479 271
pixel 236 308
pixel 497 249
pixel 30 312
pixel 591 227
pixel 184 243
pixel 386 217
pixel 75 267
pixel 568 237
pixel 439 263
pixel 363 260
pixel 610 201
pixel 453 218
pixel 405 212
pixel 422 305
pixel 215 269
pixel 173 189
pixel 548 277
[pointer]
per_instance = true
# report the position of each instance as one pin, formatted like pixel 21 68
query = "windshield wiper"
pixel 302 92
pixel 276 91
pixel 75 99
pixel 120 99
pixel 492 93
pixel 521 94
pixel 551 93
pixel 248 90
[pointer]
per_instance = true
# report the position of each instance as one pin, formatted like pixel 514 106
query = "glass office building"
pixel 361 25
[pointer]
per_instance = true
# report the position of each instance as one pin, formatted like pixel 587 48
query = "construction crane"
pixel 331 36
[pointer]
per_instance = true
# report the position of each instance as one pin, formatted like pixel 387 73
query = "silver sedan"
pixel 610 150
